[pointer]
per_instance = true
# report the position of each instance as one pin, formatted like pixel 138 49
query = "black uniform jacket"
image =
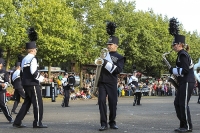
pixel 184 67
pixel 133 81
pixel 16 79
pixel 4 78
pixel 29 78
pixel 117 67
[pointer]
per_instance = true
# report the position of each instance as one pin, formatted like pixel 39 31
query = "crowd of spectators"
pixel 79 92
pixel 148 88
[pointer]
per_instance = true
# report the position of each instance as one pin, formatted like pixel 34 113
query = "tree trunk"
pixel 49 71
pixel 8 59
pixel 81 76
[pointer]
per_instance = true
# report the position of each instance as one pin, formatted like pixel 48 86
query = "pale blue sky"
pixel 186 11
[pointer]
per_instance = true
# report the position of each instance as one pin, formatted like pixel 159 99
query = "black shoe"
pixel 184 130
pixel 102 128
pixel 133 104
pixel 139 104
pixel 114 127
pixel 14 112
pixel 67 106
pixel 177 129
pixel 19 126
pixel 11 121
pixel 40 126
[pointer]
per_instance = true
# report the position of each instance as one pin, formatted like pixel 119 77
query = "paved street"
pixel 156 115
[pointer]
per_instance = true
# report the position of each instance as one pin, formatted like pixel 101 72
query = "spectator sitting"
pixel 85 88
pixel 83 94
pixel 78 94
pixel 88 95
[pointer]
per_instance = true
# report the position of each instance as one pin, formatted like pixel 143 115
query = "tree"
pixel 75 31
pixel 12 22
pixel 59 36
pixel 193 40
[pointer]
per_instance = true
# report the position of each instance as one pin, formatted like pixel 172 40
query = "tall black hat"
pixel 113 40
pixel 179 39
pixel 1 55
pixel 110 28
pixel 33 36
pixel 174 31
pixel 17 64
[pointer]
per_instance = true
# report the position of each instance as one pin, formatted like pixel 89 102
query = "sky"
pixel 186 11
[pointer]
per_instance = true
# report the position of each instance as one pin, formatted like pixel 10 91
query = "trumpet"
pixel 99 62
pixel 195 71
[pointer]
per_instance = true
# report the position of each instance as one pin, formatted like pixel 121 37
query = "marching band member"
pixel 185 76
pixel 31 79
pixel 198 85
pixel 65 90
pixel 133 82
pixel 4 80
pixel 17 85
pixel 68 84
pixel 108 84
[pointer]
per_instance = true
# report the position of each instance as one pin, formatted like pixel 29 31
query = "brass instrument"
pixel 195 71
pixel 99 62
pixel 173 78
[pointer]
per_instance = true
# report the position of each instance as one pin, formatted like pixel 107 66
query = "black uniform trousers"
pixel 66 96
pixel 4 107
pixel 137 97
pixel 32 95
pixel 181 104
pixel 17 95
pixel 198 101
pixel 110 90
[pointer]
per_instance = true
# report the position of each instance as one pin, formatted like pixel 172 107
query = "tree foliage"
pixel 75 30
pixel 57 29
pixel 12 22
